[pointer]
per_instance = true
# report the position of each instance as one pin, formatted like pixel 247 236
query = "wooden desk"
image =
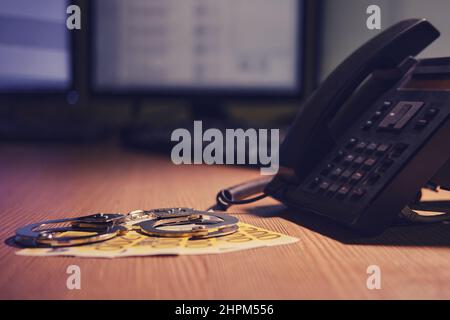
pixel 38 183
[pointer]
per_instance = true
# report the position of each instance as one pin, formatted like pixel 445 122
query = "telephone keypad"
pixel 370 160
pixel 359 165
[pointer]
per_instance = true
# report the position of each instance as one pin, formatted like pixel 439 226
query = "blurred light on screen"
pixel 34 45
pixel 196 44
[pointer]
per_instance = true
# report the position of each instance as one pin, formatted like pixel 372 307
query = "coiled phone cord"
pixel 253 191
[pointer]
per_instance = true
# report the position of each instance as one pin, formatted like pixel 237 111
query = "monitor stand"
pixel 209 110
pixel 212 113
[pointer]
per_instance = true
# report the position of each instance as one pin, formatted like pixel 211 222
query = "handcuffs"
pixel 166 222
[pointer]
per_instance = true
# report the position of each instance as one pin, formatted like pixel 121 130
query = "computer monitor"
pixel 198 47
pixel 35 53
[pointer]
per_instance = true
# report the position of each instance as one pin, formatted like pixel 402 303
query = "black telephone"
pixel 375 132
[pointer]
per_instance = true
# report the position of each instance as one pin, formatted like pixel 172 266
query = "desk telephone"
pixel 369 138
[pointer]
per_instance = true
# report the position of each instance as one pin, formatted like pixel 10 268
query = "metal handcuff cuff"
pixel 104 226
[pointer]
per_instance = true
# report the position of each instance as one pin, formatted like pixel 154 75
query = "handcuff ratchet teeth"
pixel 104 226
pixel 201 224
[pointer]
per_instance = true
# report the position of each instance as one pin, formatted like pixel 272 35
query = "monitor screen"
pixel 197 45
pixel 34 45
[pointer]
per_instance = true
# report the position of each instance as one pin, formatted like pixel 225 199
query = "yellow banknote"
pixel 137 244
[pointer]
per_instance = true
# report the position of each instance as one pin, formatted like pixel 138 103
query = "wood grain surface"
pixel 38 183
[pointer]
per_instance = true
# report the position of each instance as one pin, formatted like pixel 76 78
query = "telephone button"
pixel 356 177
pixel 349 159
pixel 386 105
pixel 431 113
pixel 351 143
pixel 358 161
pixel 346 174
pixel 343 191
pixel 336 173
pixel 367 125
pixel 361 146
pixel 377 115
pixel 369 163
pixel 371 147
pixel 358 193
pixel 382 148
pixel 324 186
pixel 332 190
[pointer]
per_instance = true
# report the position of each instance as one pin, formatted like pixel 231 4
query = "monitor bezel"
pixel 211 93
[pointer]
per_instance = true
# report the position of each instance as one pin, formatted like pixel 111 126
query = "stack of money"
pixel 134 243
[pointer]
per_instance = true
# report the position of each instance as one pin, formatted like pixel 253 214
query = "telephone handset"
pixel 370 137
pixel 374 133
pixel 387 51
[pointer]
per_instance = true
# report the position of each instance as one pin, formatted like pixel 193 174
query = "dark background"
pixel 333 29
